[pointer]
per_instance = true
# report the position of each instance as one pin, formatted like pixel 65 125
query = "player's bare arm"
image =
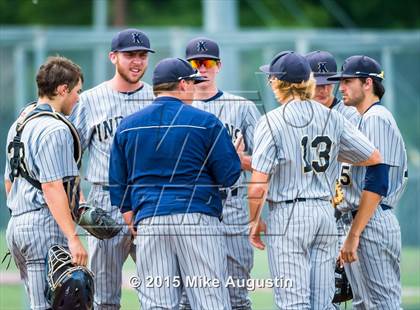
pixel 57 202
pixel 257 193
pixel 369 201
pixel 128 219
pixel 240 149
pixel 374 159
pixel 7 186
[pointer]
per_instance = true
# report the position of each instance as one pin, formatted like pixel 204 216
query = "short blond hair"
pixel 304 90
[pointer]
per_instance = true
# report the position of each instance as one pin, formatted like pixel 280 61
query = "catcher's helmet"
pixel 343 290
pixel 68 286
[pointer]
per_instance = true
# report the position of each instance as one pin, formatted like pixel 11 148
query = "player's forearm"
pixel 57 201
pixel 369 201
pixel 7 186
pixel 374 159
pixel 128 217
pixel 257 192
pixel 246 162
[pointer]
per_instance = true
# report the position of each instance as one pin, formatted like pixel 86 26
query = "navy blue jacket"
pixel 171 158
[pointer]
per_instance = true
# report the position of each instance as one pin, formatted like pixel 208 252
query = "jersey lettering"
pixel 106 129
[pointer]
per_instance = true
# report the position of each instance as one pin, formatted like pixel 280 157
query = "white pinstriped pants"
pixel 302 244
pixel 29 236
pixel 177 251
pixel 375 277
pixel 107 257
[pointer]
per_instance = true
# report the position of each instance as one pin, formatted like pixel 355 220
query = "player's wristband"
pixel 376 179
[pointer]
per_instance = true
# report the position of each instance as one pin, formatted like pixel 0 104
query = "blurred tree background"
pixel 374 14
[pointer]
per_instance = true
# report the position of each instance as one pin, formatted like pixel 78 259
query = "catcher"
pixel 41 166
pixel 41 179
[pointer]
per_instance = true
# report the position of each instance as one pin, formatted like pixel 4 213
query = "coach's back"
pixel 178 156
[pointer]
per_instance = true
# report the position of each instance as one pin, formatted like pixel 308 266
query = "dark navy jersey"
pixel 171 158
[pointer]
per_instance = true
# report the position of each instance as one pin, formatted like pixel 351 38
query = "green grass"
pixel 14 296
pixel 410 267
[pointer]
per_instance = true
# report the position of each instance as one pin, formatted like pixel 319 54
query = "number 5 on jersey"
pixel 345 176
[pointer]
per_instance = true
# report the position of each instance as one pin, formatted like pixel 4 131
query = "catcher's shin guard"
pixel 68 286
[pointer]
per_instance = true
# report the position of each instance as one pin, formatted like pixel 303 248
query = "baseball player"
pixel 296 147
pixel 40 161
pixel 323 65
pixel 170 159
pixel 239 116
pixel 96 118
pixel 372 249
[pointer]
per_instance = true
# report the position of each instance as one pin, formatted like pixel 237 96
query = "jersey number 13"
pixel 323 145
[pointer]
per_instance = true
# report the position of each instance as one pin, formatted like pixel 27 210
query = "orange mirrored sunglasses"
pixel 208 63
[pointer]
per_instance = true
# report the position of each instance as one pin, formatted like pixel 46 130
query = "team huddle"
pixel 183 169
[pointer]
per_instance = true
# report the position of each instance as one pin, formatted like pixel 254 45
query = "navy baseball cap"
pixel 202 48
pixel 171 70
pixel 130 40
pixel 288 66
pixel 359 66
pixel 323 65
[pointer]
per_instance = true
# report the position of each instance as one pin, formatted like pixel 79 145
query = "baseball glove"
pixel 97 222
pixel 339 194
pixel 343 290
pixel 68 286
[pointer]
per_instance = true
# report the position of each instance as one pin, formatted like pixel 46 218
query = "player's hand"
pixel 255 234
pixel 243 157
pixel 132 231
pixel 78 252
pixel 348 252
pixel 239 144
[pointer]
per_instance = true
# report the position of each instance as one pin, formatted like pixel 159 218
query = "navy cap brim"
pixel 196 79
pixel 199 79
pixel 135 48
pixel 340 76
pixel 323 80
pixel 265 69
pixel 199 56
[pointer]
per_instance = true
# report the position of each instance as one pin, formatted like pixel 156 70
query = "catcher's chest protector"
pixel 16 149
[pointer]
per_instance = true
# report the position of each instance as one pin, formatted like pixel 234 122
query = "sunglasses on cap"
pixel 208 63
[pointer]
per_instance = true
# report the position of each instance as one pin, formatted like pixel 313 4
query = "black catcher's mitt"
pixel 97 222
pixel 69 287
pixel 343 290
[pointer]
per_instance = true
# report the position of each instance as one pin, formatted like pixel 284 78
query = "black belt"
pixel 294 200
pixel 224 193
pixel 383 207
pixel 105 188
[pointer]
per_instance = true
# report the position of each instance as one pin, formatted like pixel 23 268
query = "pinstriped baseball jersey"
pixel 350 113
pixel 97 116
pixel 49 157
pixel 296 143
pixel 380 128
pixel 239 116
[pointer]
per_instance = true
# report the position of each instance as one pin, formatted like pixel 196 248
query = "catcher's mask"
pixel 343 290
pixel 68 286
